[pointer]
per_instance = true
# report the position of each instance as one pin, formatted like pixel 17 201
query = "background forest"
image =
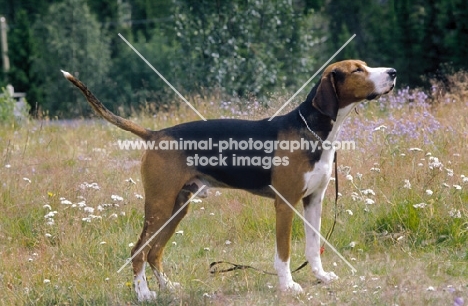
pixel 237 49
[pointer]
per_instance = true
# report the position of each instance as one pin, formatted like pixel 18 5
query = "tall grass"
pixel 71 208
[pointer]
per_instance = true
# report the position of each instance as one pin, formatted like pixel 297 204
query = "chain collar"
pixel 310 130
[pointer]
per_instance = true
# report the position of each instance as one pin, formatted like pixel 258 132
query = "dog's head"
pixel 351 81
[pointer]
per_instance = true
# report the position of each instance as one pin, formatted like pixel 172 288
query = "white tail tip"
pixel 66 74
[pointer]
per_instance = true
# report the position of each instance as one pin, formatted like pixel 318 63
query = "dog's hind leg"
pixel 156 253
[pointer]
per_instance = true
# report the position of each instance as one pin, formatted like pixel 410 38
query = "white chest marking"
pixel 318 178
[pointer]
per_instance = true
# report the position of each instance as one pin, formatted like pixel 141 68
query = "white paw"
pixel 326 277
pixel 292 287
pixel 146 296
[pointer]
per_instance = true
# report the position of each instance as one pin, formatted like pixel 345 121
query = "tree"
pixel 243 47
pixel 69 38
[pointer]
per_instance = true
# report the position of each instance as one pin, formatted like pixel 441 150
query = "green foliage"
pixel 242 48
pixel 69 38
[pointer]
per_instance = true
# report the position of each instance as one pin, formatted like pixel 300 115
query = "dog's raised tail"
pixel 105 113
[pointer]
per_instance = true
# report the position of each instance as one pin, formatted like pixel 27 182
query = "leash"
pixel 234 267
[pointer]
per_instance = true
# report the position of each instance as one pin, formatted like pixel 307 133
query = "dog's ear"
pixel 326 99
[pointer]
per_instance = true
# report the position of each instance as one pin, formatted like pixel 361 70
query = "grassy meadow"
pixel 71 208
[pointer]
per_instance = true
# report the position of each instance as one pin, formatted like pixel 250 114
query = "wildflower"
pixel 212 214
pixel 349 177
pixel 50 194
pixel 102 242
pixel 26 179
pixel 48 235
pixel 131 244
pixel 445 185
pixel 115 216
pixel 206 249
pixel 179 233
pixel 352 244
pixel 51 214
pixel 375 169
pixel 420 205
pixel 458 301
pixel 359 175
pixel 81 204
pixel 100 208
pixel 50 221
pixel 430 288
pixel 138 196
pixel 429 192
pixel 65 202
pixel 355 196
pixel 449 171
pixel 46 281
pixel 434 163
pixel 420 165
pixel 89 209
pixel 87 219
pixel 116 197
pixel 464 179
pixel 407 184
pixel 217 193
pixel 227 242
pixel 7 166
pixel 368 192
pixel 369 201
pixel 350 212
pixel 196 201
pixel 457 187
pixel 131 181
pixel 47 206
pixel 415 149
pixel 122 213
pixel 455 213
pixel 86 185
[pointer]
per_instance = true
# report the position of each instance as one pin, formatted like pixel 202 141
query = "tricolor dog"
pixel 170 177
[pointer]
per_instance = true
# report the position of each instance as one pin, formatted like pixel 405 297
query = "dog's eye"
pixel 358 70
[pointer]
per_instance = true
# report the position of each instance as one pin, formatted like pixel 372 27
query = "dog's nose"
pixel 392 73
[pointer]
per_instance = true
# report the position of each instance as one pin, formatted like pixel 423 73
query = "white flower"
pixel 350 212
pixel 47 206
pixel 420 205
pixel 131 181
pixel 86 185
pixel 359 176
pixel 415 149
pixel 26 179
pixel 217 193
pixel 196 200
pixel 355 196
pixel 420 164
pixel 50 221
pixel 87 219
pixel 349 177
pixel 46 281
pixel 430 288
pixel 48 235
pixel 113 216
pixel 7 166
pixel 131 245
pixel 102 242
pixel 368 192
pixel 457 187
pixel 100 208
pixel 407 184
pixel 116 197
pixel 138 196
pixel 455 213
pixel 449 171
pixel 375 169
pixel 89 209
pixel 65 202
pixel 429 192
pixel 81 204
pixel 434 163
pixel 227 242
pixel 352 244
pixel 369 201
pixel 179 233
pixel 446 185
pixel 51 214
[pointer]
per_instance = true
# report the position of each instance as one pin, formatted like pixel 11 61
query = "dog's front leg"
pixel 312 213
pixel 284 217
